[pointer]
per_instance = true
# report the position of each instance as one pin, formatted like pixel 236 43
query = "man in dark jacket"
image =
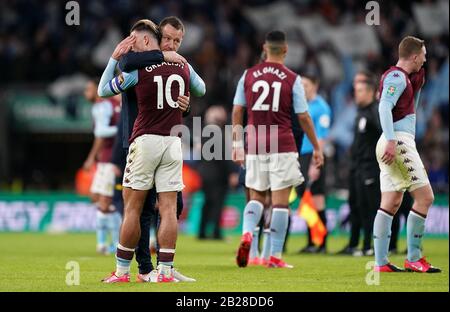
pixel 216 172
pixel 364 197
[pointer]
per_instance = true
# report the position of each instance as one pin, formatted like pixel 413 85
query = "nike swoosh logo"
pixel 417 267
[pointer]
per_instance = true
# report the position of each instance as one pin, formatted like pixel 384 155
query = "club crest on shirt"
pixel 362 124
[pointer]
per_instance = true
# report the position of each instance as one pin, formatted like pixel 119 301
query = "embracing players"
pixel 154 157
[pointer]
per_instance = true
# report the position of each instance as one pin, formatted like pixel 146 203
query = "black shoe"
pixel 308 250
pixel 433 269
pixel 347 251
pixel 320 250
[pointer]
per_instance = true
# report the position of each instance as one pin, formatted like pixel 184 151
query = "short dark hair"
pixel 312 76
pixel 371 84
pixel 276 41
pixel 276 36
pixel 147 25
pixel 173 21
pixel 370 80
pixel 410 45
pixel 366 73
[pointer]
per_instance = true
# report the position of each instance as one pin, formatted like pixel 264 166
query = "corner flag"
pixel 308 212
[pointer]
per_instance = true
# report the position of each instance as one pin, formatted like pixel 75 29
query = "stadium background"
pixel 45 124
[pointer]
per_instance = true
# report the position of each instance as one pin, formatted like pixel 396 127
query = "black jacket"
pixel 367 131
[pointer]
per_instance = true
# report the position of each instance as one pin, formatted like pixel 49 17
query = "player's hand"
pixel 318 158
pixel 389 152
pixel 173 57
pixel 313 173
pixel 233 180
pixel 123 47
pixel 417 80
pixel 238 155
pixel 183 102
pixel 88 164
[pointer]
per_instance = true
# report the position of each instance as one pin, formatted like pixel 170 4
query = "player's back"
pixel 157 92
pixel 268 90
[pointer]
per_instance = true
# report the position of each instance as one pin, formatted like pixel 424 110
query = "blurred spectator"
pixel 216 172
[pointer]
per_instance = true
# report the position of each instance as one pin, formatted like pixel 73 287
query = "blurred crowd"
pixel 224 37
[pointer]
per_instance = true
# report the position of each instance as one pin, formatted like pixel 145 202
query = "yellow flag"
pixel 309 213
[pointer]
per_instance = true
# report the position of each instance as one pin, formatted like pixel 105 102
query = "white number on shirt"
pixel 167 91
pixel 259 104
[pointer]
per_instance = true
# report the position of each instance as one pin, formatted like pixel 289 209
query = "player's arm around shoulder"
pixel 136 60
pixel 196 84
pixel 197 87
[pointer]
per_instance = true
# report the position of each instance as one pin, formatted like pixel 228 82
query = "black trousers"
pixel 150 217
pixel 117 199
pixel 355 214
pixel 212 208
pixel 364 201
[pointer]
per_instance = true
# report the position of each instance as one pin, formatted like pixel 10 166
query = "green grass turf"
pixel 37 262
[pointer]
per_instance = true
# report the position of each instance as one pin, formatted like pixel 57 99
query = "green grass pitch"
pixel 37 262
